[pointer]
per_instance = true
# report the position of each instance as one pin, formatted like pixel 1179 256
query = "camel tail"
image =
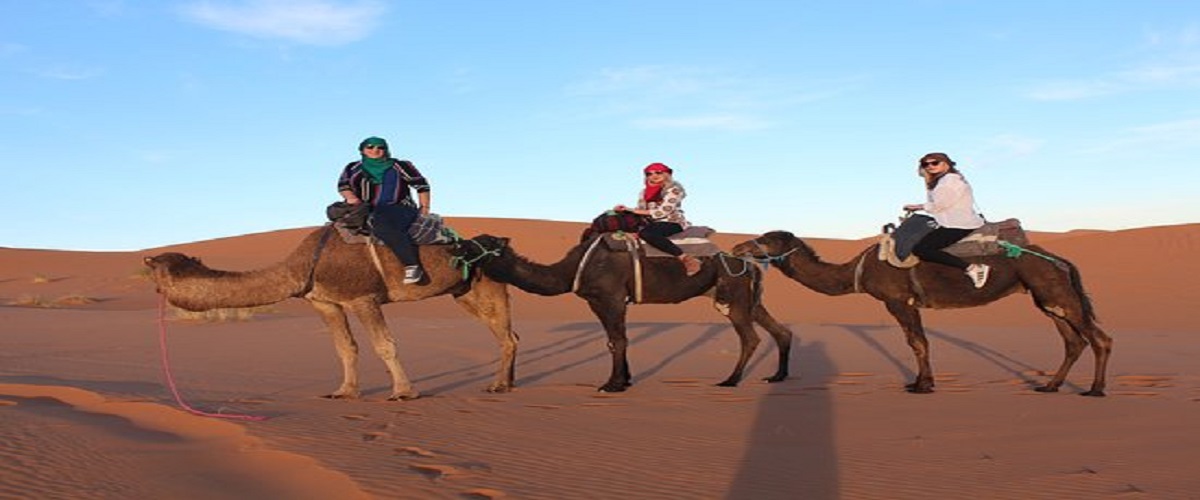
pixel 1089 313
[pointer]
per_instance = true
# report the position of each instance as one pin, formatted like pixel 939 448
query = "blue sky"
pixel 131 125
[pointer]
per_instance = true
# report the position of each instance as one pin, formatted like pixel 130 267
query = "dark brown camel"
pixel 345 279
pixel 607 284
pixel 1055 285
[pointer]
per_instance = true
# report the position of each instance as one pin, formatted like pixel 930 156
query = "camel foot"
pixel 1097 393
pixel 728 383
pixel 613 387
pixel 404 396
pixel 337 395
pixel 1046 388
pixel 778 377
pixel 919 388
pixel 498 388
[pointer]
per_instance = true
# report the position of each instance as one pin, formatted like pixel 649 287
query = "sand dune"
pixel 86 413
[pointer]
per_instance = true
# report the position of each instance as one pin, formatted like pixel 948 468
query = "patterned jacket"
pixel 355 180
pixel 667 210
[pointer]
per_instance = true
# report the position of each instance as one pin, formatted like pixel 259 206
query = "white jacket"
pixel 952 204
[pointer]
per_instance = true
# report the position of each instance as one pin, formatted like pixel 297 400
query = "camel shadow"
pixel 1015 367
pixel 591 333
pixel 557 348
pixel 791 452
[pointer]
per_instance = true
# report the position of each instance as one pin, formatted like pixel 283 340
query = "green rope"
pixel 1013 251
pixel 466 264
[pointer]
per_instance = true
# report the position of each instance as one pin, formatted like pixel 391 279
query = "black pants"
pixel 656 235
pixel 390 224
pixel 930 247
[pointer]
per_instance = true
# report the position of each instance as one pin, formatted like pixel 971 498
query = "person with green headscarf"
pixel 386 185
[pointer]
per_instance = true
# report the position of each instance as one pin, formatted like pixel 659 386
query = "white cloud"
pixel 65 73
pixel 1173 135
pixel 313 22
pixel 8 49
pixel 665 97
pixel 709 122
pixel 1173 64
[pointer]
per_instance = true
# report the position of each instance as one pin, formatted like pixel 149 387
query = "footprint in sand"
pixel 253 401
pixel 488 400
pixel 682 382
pixel 602 405
pixel 484 493
pixel 1134 393
pixel 435 472
pixel 5 402
pixel 374 436
pixel 545 407
pixel 414 451
pixel 355 416
pixel 1145 380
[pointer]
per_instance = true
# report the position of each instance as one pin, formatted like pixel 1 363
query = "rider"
pixel 384 183
pixel 952 205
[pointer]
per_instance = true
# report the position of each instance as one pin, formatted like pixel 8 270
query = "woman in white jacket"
pixel 952 204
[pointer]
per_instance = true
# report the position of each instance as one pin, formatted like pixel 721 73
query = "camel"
pixel 607 284
pixel 335 278
pixel 1055 284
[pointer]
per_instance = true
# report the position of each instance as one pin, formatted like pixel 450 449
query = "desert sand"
pixel 87 413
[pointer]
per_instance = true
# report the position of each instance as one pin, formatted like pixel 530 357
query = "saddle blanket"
pixel 693 241
pixel 983 241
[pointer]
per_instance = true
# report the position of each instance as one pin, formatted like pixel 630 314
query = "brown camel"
pixel 336 278
pixel 607 284
pixel 1055 284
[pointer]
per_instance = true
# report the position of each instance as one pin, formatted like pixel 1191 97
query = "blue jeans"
pixel 390 224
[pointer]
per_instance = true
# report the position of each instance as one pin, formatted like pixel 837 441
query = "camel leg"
pixel 371 316
pixel 743 324
pixel 783 341
pixel 612 315
pixel 1075 337
pixel 488 302
pixel 914 333
pixel 1101 349
pixel 335 319
pixel 1073 345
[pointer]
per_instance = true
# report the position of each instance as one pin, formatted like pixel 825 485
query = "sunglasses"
pixel 375 146
pixel 927 164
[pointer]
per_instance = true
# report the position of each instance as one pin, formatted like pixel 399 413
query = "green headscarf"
pixel 375 167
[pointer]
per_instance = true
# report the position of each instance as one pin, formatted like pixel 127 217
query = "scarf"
pixel 653 192
pixel 375 167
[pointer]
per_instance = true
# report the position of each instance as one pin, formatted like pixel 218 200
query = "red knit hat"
pixel 657 167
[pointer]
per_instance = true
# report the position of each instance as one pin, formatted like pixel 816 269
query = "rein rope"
pixel 465 263
pixel 767 259
pixel 162 343
pixel 1013 251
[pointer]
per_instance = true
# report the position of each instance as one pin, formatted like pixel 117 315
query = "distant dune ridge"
pixel 85 411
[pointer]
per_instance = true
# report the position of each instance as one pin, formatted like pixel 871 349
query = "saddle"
pixel 353 224
pixel 983 241
pixel 693 241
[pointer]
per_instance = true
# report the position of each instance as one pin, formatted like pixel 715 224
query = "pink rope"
pixel 162 343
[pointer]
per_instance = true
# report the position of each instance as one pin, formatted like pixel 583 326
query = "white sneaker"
pixel 978 274
pixel 413 274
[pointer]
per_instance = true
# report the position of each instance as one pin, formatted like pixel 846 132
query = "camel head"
pixel 479 248
pixel 167 266
pixel 765 246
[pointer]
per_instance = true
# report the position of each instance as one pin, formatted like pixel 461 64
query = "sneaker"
pixel 413 274
pixel 691 265
pixel 978 274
